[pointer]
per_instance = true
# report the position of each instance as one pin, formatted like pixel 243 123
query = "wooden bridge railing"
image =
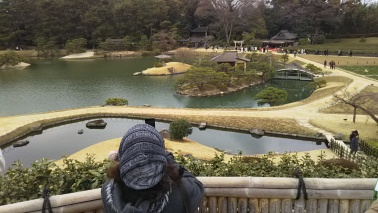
pixel 242 195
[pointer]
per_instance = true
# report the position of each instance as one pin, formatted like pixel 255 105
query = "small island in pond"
pixel 225 73
pixel 170 68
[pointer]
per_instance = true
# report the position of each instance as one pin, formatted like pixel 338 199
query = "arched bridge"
pixel 294 74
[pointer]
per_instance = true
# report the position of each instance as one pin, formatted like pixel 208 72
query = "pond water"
pixel 57 84
pixel 64 140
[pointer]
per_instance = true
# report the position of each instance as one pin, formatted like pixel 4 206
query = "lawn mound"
pixel 170 68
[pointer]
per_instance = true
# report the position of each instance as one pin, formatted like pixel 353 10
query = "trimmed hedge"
pixel 21 184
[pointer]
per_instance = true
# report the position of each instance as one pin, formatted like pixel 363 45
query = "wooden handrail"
pixel 242 194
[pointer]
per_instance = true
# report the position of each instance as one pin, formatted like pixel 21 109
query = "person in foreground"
pixel 373 208
pixel 146 178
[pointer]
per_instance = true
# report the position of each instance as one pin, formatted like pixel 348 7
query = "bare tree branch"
pixel 363 101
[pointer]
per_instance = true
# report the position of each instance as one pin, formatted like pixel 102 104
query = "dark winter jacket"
pixel 118 199
pixel 354 144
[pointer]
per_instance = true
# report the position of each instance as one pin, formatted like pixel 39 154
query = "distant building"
pixel 283 39
pixel 199 32
pixel 197 38
pixel 232 58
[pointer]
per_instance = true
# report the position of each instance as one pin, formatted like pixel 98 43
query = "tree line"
pixel 51 24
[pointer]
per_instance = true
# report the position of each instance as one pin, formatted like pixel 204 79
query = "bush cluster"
pixel 116 102
pixel 10 58
pixel 21 184
pixel 179 129
pixel 271 95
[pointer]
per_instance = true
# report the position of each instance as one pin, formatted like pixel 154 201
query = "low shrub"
pixel 271 95
pixel 159 64
pixel 116 102
pixel 222 87
pixel 21 184
pixel 179 129
pixel 10 58
pixel 344 163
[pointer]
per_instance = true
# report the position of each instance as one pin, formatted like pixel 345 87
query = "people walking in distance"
pixel 330 64
pixel 333 65
pixel 325 52
pixel 350 53
pixel 144 178
pixel 325 63
pixel 339 52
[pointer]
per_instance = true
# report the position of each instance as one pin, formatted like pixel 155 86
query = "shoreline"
pixel 20 65
pixel 187 147
pixel 170 68
pixel 219 92
pixel 302 114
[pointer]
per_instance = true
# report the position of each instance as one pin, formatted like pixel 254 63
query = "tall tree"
pixel 304 17
pixel 364 101
pixel 17 22
pixel 96 22
pixel 181 15
pixel 225 14
pixel 135 18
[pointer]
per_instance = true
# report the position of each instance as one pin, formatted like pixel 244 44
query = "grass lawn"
pixel 346 109
pixel 368 71
pixel 357 45
pixel 177 66
pixel 342 61
pixel 367 129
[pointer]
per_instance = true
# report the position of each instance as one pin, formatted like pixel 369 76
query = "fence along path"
pixel 242 195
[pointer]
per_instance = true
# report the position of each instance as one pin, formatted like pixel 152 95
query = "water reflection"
pixel 63 140
pixel 56 85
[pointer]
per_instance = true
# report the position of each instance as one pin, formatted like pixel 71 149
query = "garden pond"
pixel 63 140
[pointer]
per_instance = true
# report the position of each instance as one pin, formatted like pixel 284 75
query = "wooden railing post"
pixel 241 195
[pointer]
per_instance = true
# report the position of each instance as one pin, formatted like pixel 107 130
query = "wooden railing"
pixel 242 195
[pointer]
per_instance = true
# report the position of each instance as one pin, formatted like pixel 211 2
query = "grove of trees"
pixel 207 75
pixel 150 24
